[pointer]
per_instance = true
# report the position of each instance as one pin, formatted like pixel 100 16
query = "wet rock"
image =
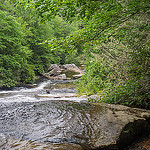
pixel 26 85
pixel 2 139
pixel 124 124
pixel 47 91
pixel 91 126
pixel 57 95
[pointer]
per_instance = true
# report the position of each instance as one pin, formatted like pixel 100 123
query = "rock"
pixel 77 76
pixel 2 139
pixel 26 85
pixel 59 77
pixel 72 67
pixel 94 98
pixel 47 91
pixel 54 70
pixel 91 126
pixel 62 77
pixel 46 75
pixel 57 95
pixel 121 126
pixel 143 144
pixel 50 77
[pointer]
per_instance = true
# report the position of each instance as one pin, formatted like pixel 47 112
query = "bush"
pixel 94 79
pixel 28 74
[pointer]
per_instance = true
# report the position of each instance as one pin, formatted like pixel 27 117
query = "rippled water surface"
pixel 30 122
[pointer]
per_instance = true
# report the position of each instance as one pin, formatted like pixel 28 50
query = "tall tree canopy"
pixel 113 39
pixel 13 51
pixel 21 53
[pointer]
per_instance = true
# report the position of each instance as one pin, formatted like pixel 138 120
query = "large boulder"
pixel 59 77
pixel 62 77
pixel 54 70
pixel 120 126
pixel 71 67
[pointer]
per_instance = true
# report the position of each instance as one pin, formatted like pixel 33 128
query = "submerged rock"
pixel 2 139
pixel 76 76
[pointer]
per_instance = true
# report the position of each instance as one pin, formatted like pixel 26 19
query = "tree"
pixel 43 55
pixel 13 52
pixel 114 35
pixel 22 52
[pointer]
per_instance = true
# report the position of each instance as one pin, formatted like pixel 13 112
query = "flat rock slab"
pixel 57 95
pixel 77 76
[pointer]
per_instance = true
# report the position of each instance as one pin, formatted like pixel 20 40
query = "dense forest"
pixel 111 37
pixel 22 54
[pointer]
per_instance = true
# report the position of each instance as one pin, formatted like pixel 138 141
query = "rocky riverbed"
pixel 29 121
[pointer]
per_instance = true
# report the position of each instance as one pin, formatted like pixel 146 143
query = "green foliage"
pixel 114 39
pixel 61 28
pixel 43 55
pixel 73 58
pixel 116 34
pixel 13 53
pixel 6 78
pixel 131 94
pixel 28 74
pixel 133 87
pixel 94 79
pixel 35 33
pixel 22 50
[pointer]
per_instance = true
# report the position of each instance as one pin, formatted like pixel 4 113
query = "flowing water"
pixel 31 122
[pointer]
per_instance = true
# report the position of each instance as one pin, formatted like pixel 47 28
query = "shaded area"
pixel 140 144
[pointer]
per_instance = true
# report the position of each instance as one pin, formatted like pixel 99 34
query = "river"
pixel 31 122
